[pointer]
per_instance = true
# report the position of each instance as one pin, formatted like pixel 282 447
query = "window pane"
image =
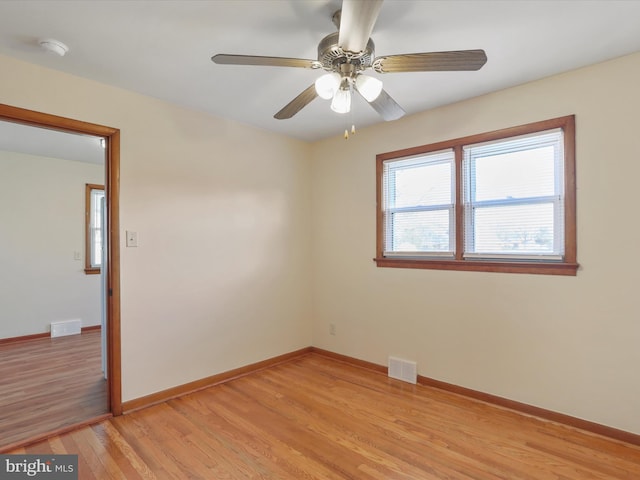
pixel 418 199
pixel 95 225
pixel 423 185
pixel 96 218
pixel 525 229
pixel 420 231
pixel 513 191
pixel 96 251
pixel 528 173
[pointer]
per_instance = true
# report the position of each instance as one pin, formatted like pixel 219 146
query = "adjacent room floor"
pixel 50 383
pixel 318 418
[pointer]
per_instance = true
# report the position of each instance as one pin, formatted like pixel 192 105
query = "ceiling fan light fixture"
pixel 327 85
pixel 369 87
pixel 345 54
pixel 341 102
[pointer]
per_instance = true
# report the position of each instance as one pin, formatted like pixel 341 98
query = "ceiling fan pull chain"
pixel 346 128
pixel 353 122
pixel 346 131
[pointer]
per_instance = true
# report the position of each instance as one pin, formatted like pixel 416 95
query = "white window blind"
pixel 513 194
pixel 419 205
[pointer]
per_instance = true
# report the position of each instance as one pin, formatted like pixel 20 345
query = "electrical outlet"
pixel 332 329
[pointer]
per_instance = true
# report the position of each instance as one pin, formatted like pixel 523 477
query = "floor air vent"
pixel 404 370
pixel 66 327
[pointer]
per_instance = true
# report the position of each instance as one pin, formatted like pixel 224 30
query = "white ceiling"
pixel 163 49
pixel 43 142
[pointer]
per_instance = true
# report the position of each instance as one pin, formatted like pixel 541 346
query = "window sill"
pixel 92 271
pixel 539 268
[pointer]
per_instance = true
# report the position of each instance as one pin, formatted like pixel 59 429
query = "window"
pixel 502 201
pixel 419 195
pixel 94 195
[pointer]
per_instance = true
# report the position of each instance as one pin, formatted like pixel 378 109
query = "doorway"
pixel 111 267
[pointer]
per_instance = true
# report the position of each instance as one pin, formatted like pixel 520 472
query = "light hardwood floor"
pixel 47 384
pixel 317 418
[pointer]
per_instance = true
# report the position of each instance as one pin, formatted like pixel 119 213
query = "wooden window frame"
pixel 88 244
pixel 568 266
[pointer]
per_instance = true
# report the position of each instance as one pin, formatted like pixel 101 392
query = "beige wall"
pixel 41 228
pixel 569 344
pixel 221 275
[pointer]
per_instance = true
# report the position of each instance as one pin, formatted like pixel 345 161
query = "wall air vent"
pixel 405 370
pixel 66 327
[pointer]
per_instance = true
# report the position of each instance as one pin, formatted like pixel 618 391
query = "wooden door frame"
pixel 112 191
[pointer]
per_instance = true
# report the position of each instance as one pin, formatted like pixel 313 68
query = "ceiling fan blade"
pixel 297 104
pixel 431 62
pixel 356 23
pixel 387 107
pixel 223 59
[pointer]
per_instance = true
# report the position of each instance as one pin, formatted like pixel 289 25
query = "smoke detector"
pixel 54 46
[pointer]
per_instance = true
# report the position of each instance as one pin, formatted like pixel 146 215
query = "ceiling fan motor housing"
pixel 331 55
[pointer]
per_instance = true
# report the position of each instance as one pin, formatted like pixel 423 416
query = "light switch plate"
pixel 132 239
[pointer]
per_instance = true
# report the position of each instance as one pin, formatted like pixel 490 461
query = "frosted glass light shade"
pixel 327 85
pixel 369 87
pixel 341 102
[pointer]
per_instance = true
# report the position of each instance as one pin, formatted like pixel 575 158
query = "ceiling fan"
pixel 345 54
